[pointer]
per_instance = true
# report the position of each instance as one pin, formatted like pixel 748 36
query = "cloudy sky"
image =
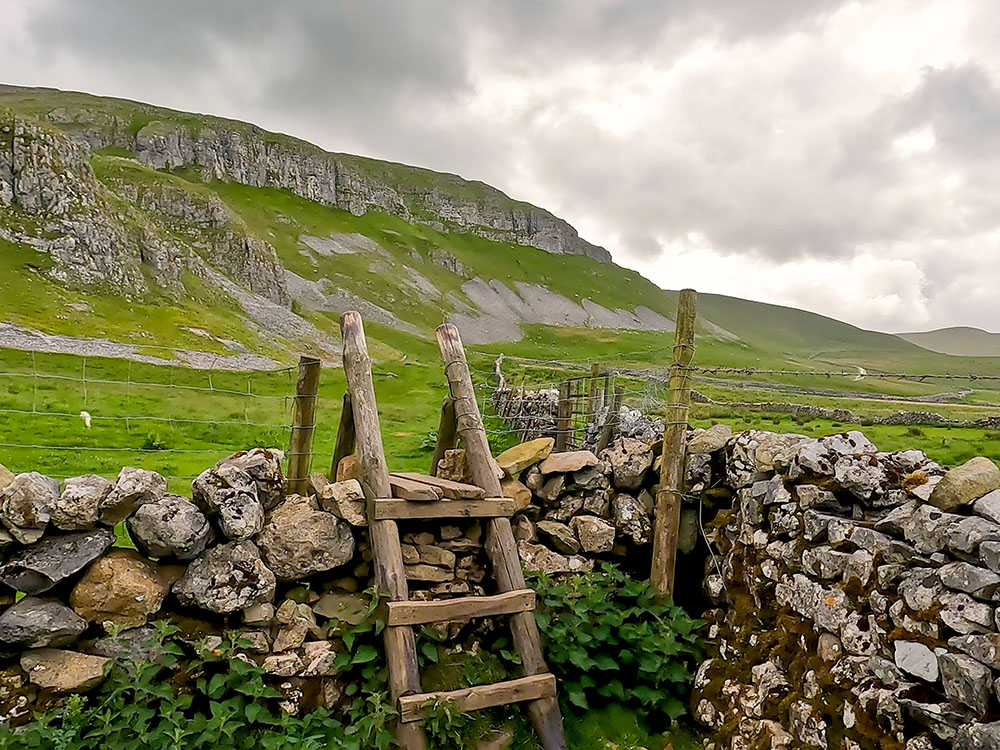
pixel 843 157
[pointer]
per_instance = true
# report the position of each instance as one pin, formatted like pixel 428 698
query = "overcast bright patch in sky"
pixel 842 157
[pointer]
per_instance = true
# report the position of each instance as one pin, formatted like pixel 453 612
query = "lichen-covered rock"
pixel 537 557
pixel 976 736
pixel 966 483
pixel 560 536
pixel 170 526
pixel 263 465
pixel 78 507
pixel 829 607
pixel 40 567
pixel 916 659
pixel 631 519
pixel 596 535
pixel 227 578
pixel 299 539
pixel 133 488
pixel 121 589
pixel 966 681
pixel 630 459
pixel 34 623
pixel 229 494
pixel 64 671
pixel 26 505
pixel 6 476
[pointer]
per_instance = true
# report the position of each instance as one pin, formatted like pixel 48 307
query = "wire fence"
pixel 66 416
pixel 579 405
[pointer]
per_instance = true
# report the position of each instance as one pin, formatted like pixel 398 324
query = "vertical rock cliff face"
pixel 229 150
pixel 102 233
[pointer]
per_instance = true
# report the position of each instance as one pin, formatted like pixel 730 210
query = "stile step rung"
pixel 534 687
pixel 462 608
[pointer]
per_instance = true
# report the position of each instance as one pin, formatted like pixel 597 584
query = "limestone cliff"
pixel 229 150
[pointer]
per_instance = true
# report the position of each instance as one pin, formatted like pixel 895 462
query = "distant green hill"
pixel 961 341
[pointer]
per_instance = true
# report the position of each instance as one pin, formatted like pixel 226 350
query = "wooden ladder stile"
pixel 406 495
pixel 500 545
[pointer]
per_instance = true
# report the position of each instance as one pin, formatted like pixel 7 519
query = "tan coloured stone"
pixel 349 468
pixel 64 671
pixel 428 573
pixel 966 483
pixel 345 500
pixel 567 462
pixel 122 589
pixel 516 491
pixel 515 460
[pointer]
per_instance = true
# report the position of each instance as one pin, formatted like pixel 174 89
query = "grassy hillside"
pixel 395 265
pixel 960 341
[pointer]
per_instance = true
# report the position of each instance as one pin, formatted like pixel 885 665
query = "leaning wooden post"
pixel 390 576
pixel 668 496
pixel 591 410
pixel 345 436
pixel 610 419
pixel 564 417
pixel 500 545
pixel 303 423
pixel 447 437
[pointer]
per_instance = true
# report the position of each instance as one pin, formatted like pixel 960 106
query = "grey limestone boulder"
pixel 41 566
pixel 171 526
pixel 226 579
pixel 300 539
pixel 133 488
pixel 78 507
pixel 229 494
pixel 26 505
pixel 34 623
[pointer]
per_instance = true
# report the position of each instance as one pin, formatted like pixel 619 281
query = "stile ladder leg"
pixel 500 544
pixel 387 556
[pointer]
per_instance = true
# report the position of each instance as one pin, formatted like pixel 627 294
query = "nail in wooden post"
pixel 447 437
pixel 564 420
pixel 303 423
pixel 390 576
pixel 668 496
pixel 345 436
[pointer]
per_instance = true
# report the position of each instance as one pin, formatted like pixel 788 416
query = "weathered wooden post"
pixel 390 576
pixel 447 437
pixel 564 418
pixel 345 436
pixel 668 496
pixel 610 419
pixel 500 545
pixel 303 423
pixel 592 399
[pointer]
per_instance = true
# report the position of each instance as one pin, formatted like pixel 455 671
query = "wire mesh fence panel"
pixel 65 416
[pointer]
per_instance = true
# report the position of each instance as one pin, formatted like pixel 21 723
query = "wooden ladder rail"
pixel 387 556
pixel 500 545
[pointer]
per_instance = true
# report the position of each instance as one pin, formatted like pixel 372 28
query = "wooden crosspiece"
pixel 406 495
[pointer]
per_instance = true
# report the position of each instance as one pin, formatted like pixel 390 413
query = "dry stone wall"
pixel 855 597
pixel 90 565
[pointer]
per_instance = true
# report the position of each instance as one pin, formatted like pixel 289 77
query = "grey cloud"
pixel 395 79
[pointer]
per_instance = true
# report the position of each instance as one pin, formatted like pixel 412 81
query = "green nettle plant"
pixel 216 699
pixel 612 639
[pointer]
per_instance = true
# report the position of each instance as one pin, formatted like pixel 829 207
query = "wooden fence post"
pixel 390 575
pixel 592 399
pixel 610 419
pixel 668 496
pixel 564 420
pixel 447 437
pixel 303 423
pixel 345 436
